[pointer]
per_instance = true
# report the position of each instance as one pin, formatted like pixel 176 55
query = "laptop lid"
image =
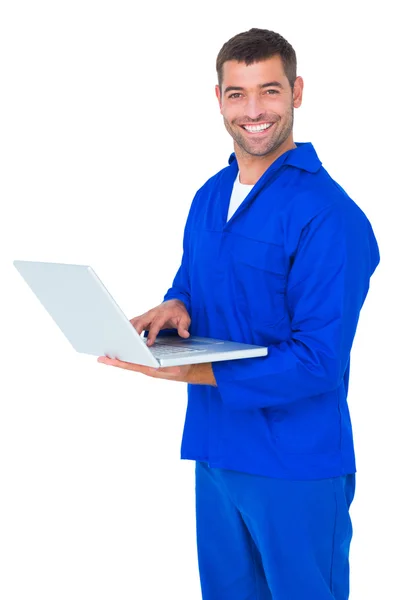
pixel 85 311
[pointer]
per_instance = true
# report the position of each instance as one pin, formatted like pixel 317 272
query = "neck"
pixel 252 167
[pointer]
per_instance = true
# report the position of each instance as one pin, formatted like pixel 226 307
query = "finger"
pixel 183 331
pixel 140 323
pixel 154 330
pixel 183 327
pixel 115 362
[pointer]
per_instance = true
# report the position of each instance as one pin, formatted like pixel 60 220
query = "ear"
pixel 298 92
pixel 218 94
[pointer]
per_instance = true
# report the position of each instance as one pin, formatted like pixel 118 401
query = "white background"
pixel 109 125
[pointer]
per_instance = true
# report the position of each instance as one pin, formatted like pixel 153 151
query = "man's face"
pixel 258 95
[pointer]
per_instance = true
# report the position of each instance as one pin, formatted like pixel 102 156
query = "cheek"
pixel 286 110
pixel 228 120
pixel 230 114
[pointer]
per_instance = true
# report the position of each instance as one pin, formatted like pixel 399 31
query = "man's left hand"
pixel 201 374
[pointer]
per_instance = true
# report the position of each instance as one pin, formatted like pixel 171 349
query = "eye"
pixel 268 92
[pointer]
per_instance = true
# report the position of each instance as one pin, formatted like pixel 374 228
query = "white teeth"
pixel 253 128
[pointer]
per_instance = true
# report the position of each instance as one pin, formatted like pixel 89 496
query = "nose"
pixel 254 108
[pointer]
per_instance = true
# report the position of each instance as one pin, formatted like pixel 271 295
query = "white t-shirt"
pixel 239 193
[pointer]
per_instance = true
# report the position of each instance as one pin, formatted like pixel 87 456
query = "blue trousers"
pixel 260 538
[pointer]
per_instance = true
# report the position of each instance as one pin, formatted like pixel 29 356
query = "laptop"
pixel 92 321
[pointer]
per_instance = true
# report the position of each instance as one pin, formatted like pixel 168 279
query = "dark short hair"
pixel 256 45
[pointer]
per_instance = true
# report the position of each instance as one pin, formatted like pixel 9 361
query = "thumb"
pixel 183 331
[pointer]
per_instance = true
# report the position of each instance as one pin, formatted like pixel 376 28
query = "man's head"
pixel 257 85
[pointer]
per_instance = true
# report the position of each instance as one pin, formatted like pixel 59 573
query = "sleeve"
pixel 326 288
pixel 180 289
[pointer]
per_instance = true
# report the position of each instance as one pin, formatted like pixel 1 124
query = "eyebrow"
pixel 230 88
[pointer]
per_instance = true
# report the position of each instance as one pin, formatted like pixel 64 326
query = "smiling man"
pixel 258 114
pixel 275 254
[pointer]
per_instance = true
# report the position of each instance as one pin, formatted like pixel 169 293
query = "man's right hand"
pixel 167 315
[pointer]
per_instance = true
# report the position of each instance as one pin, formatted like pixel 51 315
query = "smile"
pixel 257 128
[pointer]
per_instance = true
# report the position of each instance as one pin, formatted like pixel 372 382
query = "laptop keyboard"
pixel 167 349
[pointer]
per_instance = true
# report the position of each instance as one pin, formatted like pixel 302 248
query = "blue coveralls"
pixel 273 441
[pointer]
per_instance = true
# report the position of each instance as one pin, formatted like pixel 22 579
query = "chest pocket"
pixel 259 280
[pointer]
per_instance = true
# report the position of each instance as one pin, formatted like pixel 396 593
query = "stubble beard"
pixel 267 146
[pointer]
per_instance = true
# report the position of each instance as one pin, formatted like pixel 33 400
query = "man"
pixel 275 254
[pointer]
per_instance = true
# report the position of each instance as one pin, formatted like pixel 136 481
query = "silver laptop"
pixel 91 320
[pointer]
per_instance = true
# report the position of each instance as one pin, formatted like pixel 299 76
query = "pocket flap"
pixel 261 255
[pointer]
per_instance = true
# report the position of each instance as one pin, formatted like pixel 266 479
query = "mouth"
pixel 257 130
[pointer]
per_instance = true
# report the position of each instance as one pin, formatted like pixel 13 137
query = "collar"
pixel 303 157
